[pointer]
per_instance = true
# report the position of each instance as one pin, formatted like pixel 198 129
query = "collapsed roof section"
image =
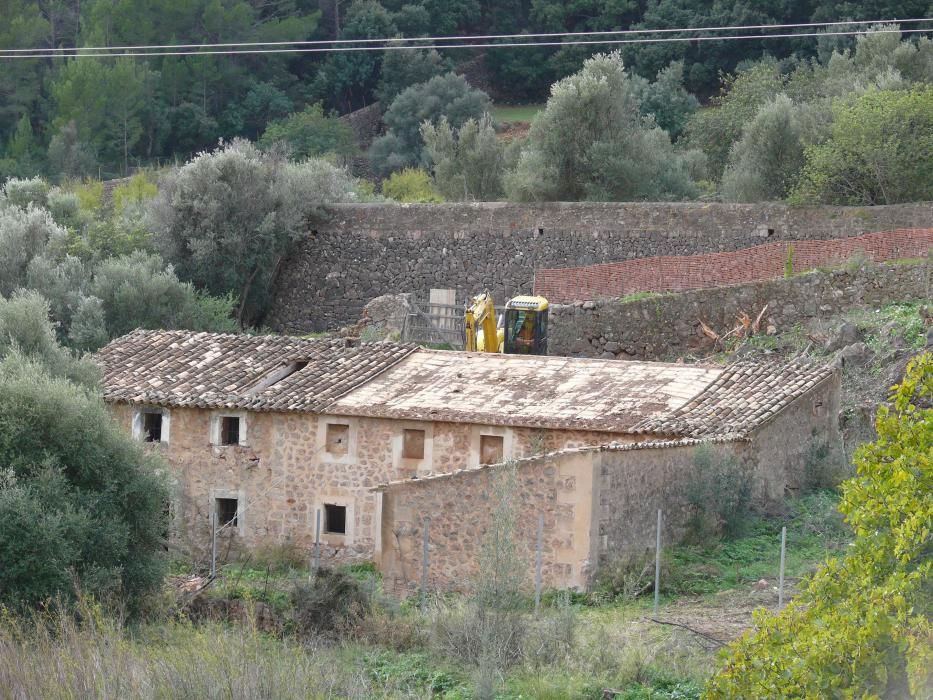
pixel 392 380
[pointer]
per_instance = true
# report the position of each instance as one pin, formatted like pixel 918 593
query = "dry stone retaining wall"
pixel 660 326
pixel 360 251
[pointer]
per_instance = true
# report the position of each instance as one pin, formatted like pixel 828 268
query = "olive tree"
pixel 765 162
pixel 468 162
pixel 226 219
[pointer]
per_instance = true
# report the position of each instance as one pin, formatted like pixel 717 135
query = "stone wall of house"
pixel 789 447
pixel 356 252
pixel 284 473
pixel 662 326
pixel 460 508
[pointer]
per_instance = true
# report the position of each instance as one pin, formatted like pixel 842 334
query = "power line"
pixel 340 49
pixel 392 44
pixel 395 40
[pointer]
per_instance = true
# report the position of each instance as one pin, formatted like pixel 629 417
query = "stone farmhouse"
pixel 265 432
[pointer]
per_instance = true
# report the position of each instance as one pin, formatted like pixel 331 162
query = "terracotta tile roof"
pixel 740 399
pixel 259 373
pixel 390 380
pixel 523 390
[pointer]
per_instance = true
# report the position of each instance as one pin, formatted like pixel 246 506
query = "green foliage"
pixel 591 142
pixel 24 235
pixel 136 191
pixel 227 218
pixel 403 68
pixel 763 165
pixel 68 155
pixel 410 185
pixel 310 133
pixel 719 495
pixel 666 100
pixel 789 262
pixel 715 130
pixel 442 96
pixel 860 625
pixel 25 328
pixel 814 530
pixel 80 504
pixel 137 291
pixel 469 162
pixel 880 151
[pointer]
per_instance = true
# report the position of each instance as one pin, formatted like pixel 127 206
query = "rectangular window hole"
pixel 335 519
pixel 230 430
pixel 152 426
pixel 490 449
pixel 338 438
pixel 226 509
pixel 413 444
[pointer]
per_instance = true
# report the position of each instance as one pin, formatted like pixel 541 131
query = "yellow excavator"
pixel 522 330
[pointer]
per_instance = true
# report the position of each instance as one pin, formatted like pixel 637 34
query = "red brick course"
pixel 763 262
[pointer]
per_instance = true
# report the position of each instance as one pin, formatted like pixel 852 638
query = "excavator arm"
pixel 480 324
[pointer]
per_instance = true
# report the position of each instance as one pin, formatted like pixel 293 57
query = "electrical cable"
pixel 608 32
pixel 393 45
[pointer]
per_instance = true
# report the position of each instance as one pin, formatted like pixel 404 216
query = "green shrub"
pixel 860 626
pixel 411 185
pixel 81 505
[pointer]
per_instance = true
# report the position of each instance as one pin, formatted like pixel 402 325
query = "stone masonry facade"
pixel 282 472
pixel 356 252
pixel 599 504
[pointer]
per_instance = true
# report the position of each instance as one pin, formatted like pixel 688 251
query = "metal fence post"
pixel 425 553
pixel 213 544
pixel 657 566
pixel 316 565
pixel 539 553
pixel 781 574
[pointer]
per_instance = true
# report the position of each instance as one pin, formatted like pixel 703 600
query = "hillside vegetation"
pixel 810 118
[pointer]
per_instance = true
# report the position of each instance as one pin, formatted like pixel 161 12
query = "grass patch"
pixel 515 113
pixel 815 530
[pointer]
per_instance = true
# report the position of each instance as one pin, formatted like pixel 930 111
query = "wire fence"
pixel 764 262
pixel 435 324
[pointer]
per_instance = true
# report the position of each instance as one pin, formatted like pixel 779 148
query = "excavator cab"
pixel 525 324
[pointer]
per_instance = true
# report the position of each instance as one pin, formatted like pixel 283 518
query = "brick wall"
pixel 359 251
pixel 762 262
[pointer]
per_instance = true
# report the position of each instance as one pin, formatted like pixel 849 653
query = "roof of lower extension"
pixel 586 449
pixel 260 373
pixel 392 380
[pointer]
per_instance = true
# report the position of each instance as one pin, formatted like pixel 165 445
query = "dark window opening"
pixel 335 519
pixel 413 444
pixel 491 449
pixel 152 427
pixel 226 509
pixel 540 231
pixel 770 231
pixel 338 438
pixel 230 430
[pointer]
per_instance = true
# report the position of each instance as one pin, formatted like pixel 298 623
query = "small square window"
pixel 226 509
pixel 338 438
pixel 335 519
pixel 230 430
pixel 413 444
pixel 152 426
pixel 490 449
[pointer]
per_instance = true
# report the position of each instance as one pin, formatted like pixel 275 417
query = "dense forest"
pixel 101 116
